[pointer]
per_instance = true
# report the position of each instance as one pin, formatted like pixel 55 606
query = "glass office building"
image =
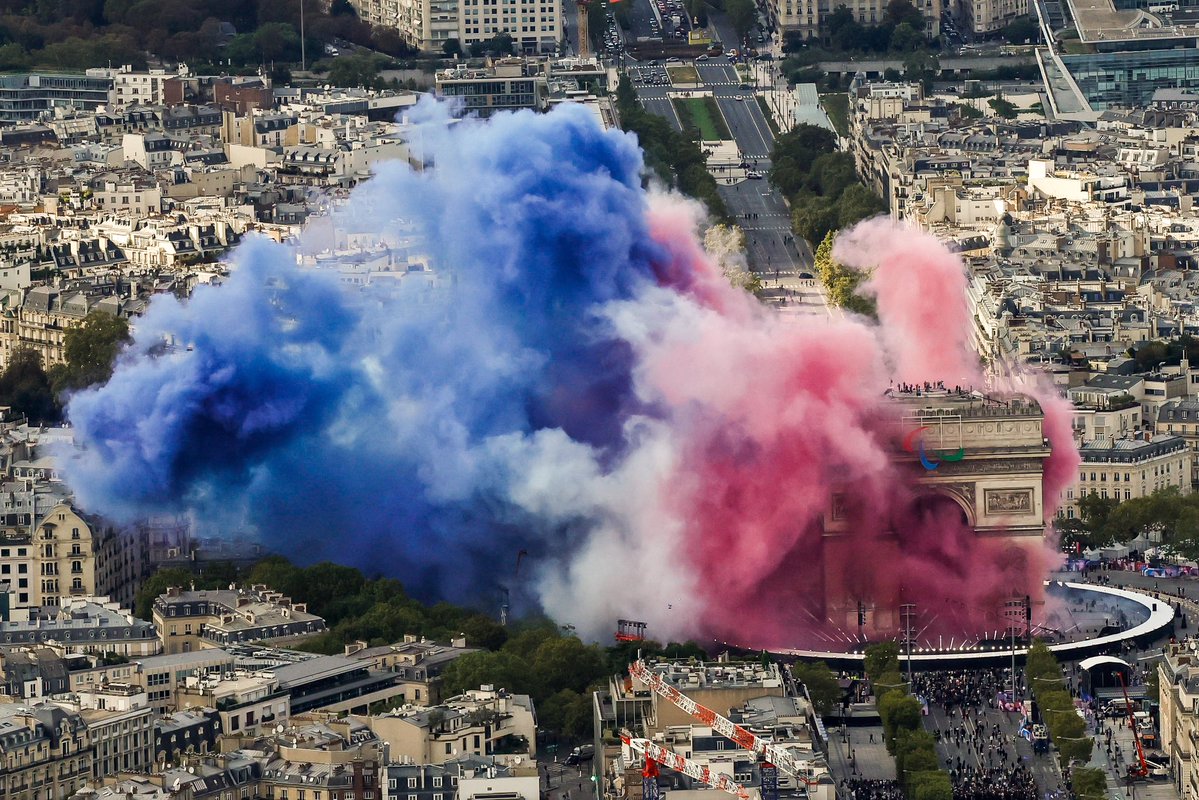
pixel 24 98
pixel 1126 72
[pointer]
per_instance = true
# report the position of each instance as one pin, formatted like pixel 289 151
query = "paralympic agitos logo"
pixel 914 443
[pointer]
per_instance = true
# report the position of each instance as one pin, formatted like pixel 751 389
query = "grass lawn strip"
pixel 702 114
pixel 837 108
pixel 688 75
pixel 774 126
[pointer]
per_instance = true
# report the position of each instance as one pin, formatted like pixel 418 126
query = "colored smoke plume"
pixel 580 381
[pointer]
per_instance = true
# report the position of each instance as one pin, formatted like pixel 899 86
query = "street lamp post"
pixel 303 52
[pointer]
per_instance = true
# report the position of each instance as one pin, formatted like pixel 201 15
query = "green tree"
pixel 1022 30
pixel 902 12
pixel 502 670
pixel 882 657
pixel 90 350
pixel 276 572
pixel 567 663
pixel 277 41
pixel 906 39
pixel 13 57
pixel 857 203
pixel 921 66
pixel 932 786
pixel 813 218
pixel 566 712
pixel 898 712
pixel 1090 528
pixel 355 70
pixel 158 583
pixel 25 387
pixel 1041 664
pixel 452 48
pixel 499 45
pixel 1088 783
pixel 327 582
pixel 1003 108
pixel 821 684
pixel 742 15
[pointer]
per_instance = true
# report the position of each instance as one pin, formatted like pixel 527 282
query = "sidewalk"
pixel 872 761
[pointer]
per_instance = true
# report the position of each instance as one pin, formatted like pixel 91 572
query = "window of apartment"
pixel 448 749
pixel 437 783
pixel 412 781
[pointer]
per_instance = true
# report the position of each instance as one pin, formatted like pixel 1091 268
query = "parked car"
pixel 580 754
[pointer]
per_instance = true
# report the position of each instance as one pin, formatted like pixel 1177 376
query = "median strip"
pixel 703 115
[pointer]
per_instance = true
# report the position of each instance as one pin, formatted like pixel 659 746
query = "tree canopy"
pixel 841 283
pixel 91 350
pixel 1106 521
pixel 821 182
pixel 821 684
pixel 675 157
pixel 77 34
pixel 25 387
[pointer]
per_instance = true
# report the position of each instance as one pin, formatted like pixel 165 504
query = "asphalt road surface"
pixel 1043 767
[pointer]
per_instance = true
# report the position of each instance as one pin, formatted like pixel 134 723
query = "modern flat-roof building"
pixel 1133 52
pixel 248 703
pixel 335 683
pixel 28 97
pixel 160 676
pixel 415 664
pixel 508 85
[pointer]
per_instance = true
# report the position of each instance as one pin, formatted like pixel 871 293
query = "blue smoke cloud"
pixel 385 427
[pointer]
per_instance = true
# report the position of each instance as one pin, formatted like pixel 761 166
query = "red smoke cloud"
pixel 779 419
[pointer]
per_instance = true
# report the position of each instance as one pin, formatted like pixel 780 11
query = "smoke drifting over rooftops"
pixel 585 386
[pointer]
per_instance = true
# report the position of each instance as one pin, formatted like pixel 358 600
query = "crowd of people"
pixel 963 692
pixel 1014 783
pixel 981 754
pixel 871 789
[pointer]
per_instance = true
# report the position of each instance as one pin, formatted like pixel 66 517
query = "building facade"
pixel 534 25
pixel 1125 469
pixel 983 17
pixel 190 620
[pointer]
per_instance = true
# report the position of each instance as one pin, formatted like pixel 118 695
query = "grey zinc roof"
pixel 325 666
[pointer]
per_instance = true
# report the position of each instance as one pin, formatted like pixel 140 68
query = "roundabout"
pixel 1082 620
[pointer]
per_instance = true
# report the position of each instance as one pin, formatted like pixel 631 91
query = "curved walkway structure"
pixel 1160 617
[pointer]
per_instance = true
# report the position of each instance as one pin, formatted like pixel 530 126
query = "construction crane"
pixel 505 596
pixel 1142 768
pixel 779 756
pixel 584 28
pixel 657 754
